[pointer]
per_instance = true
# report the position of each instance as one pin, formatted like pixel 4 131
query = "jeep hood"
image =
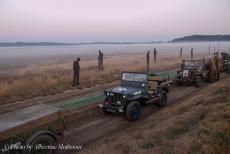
pixel 126 89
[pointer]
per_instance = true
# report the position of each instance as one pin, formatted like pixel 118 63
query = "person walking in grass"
pixel 76 72
pixel 155 55
pixel 192 54
pixel 181 52
pixel 147 60
pixel 100 61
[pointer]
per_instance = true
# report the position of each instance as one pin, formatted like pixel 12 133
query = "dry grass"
pixel 52 78
pixel 200 124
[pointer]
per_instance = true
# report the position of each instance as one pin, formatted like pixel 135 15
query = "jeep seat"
pixel 152 86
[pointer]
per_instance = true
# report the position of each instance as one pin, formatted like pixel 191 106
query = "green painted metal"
pixel 80 101
pixel 98 96
pixel 171 74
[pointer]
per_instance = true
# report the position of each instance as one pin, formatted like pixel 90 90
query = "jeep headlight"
pixel 124 96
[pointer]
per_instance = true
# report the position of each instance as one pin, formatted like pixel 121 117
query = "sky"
pixel 111 20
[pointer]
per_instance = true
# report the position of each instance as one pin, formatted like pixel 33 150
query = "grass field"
pixel 198 124
pixel 52 78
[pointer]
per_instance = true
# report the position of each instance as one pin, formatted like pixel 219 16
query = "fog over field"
pixel 19 56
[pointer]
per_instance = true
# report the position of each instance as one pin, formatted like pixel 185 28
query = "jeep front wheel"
pixel 133 111
pixel 198 81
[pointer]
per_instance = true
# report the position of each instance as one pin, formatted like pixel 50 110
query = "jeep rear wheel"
pixel 163 99
pixel 133 111
pixel 198 81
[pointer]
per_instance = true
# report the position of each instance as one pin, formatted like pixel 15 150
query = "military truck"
pixel 136 89
pixel 31 130
pixel 225 62
pixel 192 71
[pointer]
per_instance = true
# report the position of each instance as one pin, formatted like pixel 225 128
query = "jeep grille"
pixel 113 98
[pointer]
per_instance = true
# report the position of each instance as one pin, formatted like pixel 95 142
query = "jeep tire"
pixel 197 81
pixel 163 99
pixel 133 111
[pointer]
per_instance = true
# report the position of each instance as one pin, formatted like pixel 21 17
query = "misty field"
pixel 28 72
pixel 53 78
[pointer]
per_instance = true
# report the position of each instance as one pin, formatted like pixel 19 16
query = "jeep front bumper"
pixel 109 108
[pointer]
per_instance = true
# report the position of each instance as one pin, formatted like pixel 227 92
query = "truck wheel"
pixel 163 99
pixel 133 111
pixel 198 81
pixel 42 140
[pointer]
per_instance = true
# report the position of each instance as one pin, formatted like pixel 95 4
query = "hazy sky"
pixel 111 20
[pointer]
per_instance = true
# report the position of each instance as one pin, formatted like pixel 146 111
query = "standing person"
pixel 209 50
pixel 99 60
pixel 216 62
pixel 181 52
pixel 102 64
pixel 155 55
pixel 76 72
pixel 192 54
pixel 182 64
pixel 147 60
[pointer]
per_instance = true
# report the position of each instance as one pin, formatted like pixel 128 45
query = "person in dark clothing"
pixel 147 60
pixel 102 64
pixel 192 54
pixel 100 61
pixel 181 50
pixel 182 64
pixel 76 72
pixel 155 55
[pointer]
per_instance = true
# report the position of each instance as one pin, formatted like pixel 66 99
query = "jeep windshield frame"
pixel 134 79
pixel 193 64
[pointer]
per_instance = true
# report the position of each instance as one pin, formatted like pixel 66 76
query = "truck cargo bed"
pixel 17 122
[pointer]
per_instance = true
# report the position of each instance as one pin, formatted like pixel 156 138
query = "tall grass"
pixel 198 124
pixel 52 78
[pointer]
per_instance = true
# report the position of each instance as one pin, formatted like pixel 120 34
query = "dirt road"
pixel 87 124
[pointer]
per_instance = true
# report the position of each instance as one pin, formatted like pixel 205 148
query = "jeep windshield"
pixel 136 77
pixel 191 64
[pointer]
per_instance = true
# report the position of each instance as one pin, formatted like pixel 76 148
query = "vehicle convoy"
pixel 192 71
pixel 23 131
pixel 136 89
pixel 225 62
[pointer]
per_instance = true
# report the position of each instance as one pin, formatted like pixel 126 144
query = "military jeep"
pixel 225 62
pixel 135 90
pixel 192 71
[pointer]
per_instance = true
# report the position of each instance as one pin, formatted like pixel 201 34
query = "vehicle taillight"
pixel 106 101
